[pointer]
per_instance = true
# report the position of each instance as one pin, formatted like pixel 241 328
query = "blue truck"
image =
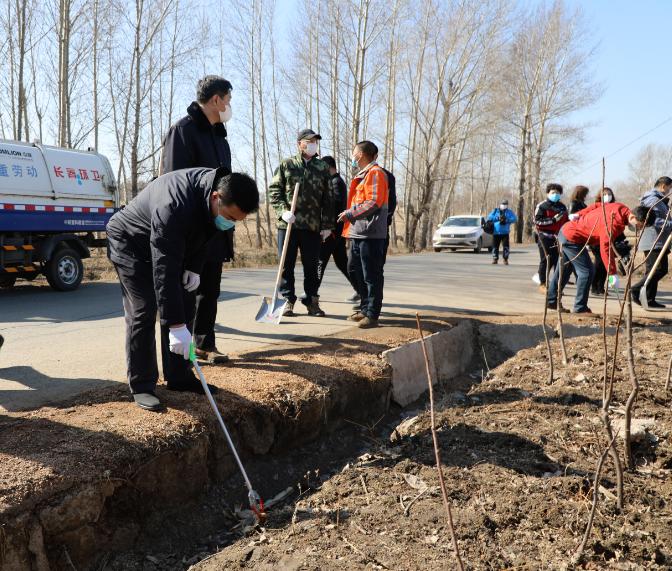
pixel 54 206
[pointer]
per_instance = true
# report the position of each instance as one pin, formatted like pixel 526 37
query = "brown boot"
pixel 368 323
pixel 506 262
pixel 314 307
pixel 357 316
pixel 494 260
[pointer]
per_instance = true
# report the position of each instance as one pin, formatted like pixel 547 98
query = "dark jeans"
pixel 583 266
pixel 139 299
pixel 502 239
pixel 547 245
pixel 365 266
pixel 333 246
pixel 308 244
pixel 206 305
pixel 661 272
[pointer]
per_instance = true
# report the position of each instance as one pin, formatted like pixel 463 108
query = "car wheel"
pixel 437 249
pixel 453 249
pixel 65 270
pixel 479 245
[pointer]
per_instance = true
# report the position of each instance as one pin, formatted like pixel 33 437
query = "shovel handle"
pixel 285 246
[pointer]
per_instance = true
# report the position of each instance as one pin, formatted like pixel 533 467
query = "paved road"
pixel 59 344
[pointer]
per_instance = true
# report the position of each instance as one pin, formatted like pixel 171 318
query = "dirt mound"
pixel 519 458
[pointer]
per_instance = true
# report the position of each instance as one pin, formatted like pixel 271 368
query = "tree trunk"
pixel 521 181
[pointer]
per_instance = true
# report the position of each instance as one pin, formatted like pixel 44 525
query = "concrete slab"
pixel 449 353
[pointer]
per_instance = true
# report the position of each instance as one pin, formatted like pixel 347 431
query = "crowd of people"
pixel 169 243
pixel 599 228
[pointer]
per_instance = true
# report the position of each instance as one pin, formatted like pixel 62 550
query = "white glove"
pixel 179 340
pixel 288 217
pixel 190 280
pixel 613 281
pixel 574 216
pixel 325 234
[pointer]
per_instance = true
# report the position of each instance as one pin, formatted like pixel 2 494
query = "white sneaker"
pixel 354 298
pixel 535 279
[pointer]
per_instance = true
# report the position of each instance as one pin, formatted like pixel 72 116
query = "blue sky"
pixel 634 64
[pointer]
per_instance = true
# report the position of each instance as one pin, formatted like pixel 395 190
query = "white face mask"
pixel 607 198
pixel 225 116
pixel 503 206
pixel 310 149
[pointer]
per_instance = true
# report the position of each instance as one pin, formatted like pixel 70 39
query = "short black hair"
pixel 212 85
pixel 663 180
pixel 644 214
pixel 239 189
pixel 330 161
pixel 553 186
pixel 368 148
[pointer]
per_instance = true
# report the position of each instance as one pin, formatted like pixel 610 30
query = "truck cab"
pixel 54 205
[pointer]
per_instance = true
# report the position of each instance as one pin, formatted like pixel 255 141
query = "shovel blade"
pixel 270 312
pixel 643 301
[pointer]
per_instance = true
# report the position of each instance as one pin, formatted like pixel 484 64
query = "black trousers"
pixel 307 243
pixel 502 239
pixel 365 266
pixel 206 305
pixel 139 298
pixel 548 245
pixel 661 272
pixel 336 247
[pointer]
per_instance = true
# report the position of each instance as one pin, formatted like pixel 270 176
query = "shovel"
pixel 642 292
pixel 272 308
pixel 256 503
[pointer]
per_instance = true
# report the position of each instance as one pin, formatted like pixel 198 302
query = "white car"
pixel 462 232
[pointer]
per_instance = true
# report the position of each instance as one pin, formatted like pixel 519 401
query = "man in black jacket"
pixel 199 140
pixel 157 245
pixel 334 244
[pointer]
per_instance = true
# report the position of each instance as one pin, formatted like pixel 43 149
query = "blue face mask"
pixel 554 197
pixel 354 164
pixel 223 224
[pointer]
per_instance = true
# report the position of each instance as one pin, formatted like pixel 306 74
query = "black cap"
pixel 505 201
pixel 307 134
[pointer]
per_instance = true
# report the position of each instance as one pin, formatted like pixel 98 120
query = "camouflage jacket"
pixel 315 204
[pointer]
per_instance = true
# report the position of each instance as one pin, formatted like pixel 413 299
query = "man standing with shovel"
pixel 312 220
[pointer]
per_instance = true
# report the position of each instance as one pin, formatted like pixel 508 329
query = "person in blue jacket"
pixel 502 217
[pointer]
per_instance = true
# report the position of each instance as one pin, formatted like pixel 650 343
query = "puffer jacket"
pixel 503 220
pixel 366 216
pixel 655 235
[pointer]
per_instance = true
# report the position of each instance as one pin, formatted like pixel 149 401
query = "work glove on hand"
pixel 325 234
pixel 613 281
pixel 179 340
pixel 574 216
pixel 190 280
pixel 288 217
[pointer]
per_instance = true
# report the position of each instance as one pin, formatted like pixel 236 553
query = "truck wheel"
pixel 7 282
pixel 65 270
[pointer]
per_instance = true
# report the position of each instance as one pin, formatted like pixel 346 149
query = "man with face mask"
pixel 157 244
pixel 549 216
pixel 502 217
pixel 312 223
pixel 200 140
pixel 653 239
pixel 365 225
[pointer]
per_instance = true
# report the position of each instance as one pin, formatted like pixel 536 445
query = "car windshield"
pixel 461 221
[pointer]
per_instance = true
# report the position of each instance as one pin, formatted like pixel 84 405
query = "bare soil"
pixel 519 457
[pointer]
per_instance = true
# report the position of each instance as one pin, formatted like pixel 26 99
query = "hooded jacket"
pixel 192 142
pixel 590 228
pixel 167 225
pixel 660 221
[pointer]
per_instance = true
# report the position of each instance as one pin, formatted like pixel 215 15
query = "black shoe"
pixel 554 307
pixel 586 311
pixel 656 305
pixel 194 387
pixel 148 401
pixel 211 356
pixel 313 305
pixel 634 295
